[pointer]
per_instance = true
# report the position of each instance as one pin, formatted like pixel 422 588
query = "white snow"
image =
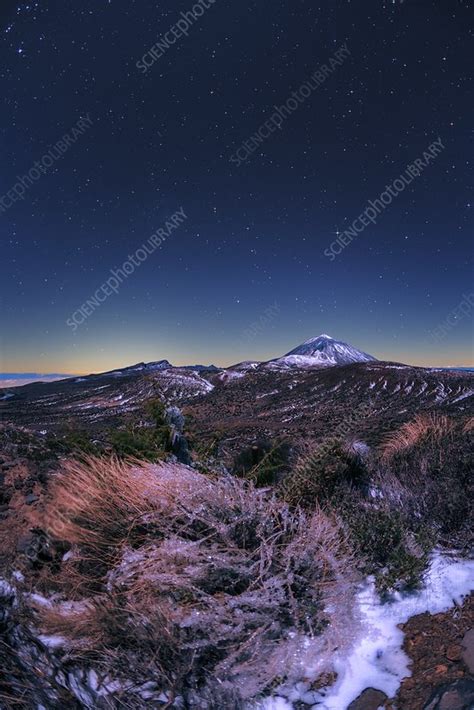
pixel 231 375
pixel 318 337
pixel 52 641
pixel 422 388
pixel 469 393
pixel 375 657
pixel 276 703
pixel 6 589
pixel 320 359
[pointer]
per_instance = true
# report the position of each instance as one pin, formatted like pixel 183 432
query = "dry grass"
pixel 92 502
pixel 423 426
pixel 469 425
pixel 425 471
pixel 192 576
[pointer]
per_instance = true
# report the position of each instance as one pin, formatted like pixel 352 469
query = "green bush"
pixel 73 442
pixel 264 463
pixel 319 475
pixel 149 442
pixel 387 544
pixel 139 443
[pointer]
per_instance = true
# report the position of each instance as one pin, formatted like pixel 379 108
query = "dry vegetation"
pixel 433 427
pixel 205 586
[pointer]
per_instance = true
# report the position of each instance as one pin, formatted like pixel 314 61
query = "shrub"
pixel 263 463
pixel 193 578
pixel 138 442
pixel 431 475
pixel 385 542
pixel 148 440
pixel 74 441
pixel 320 472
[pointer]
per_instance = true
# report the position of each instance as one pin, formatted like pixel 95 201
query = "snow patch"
pixel 375 658
pixel 469 393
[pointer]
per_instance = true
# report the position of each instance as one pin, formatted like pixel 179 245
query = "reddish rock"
pixel 454 652
pixel 457 696
pixel 324 680
pixel 468 649
pixel 369 699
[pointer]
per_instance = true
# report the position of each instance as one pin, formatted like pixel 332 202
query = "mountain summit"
pixel 323 351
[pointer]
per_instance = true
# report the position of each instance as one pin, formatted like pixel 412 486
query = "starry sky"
pixel 245 275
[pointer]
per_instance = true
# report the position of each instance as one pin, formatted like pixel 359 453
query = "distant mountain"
pixel 28 375
pixel 140 367
pixel 17 379
pixel 322 351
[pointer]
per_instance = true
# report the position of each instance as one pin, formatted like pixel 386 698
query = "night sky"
pixel 161 140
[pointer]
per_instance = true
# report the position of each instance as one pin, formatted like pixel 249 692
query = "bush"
pixel 149 440
pixel 430 475
pixel 76 442
pixel 385 542
pixel 263 463
pixel 138 442
pixel 181 578
pixel 320 472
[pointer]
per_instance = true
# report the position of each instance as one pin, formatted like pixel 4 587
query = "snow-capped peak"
pixel 322 351
pixel 323 336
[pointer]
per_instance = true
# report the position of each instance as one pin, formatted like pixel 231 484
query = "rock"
pixel 453 652
pixel 468 650
pixel 31 498
pixel 369 699
pixel 25 543
pixel 324 679
pixel 10 464
pixel 6 494
pixel 456 696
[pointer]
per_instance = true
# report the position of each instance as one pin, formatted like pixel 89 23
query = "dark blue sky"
pixel 254 234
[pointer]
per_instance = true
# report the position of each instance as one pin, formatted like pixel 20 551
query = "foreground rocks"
pixel 369 699
pixel 468 650
pixel 441 648
pixel 457 696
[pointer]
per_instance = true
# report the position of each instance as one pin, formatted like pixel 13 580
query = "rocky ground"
pixel 442 651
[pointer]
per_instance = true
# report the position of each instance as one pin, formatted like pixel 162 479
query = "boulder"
pixel 369 699
pixel 454 696
pixel 468 650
